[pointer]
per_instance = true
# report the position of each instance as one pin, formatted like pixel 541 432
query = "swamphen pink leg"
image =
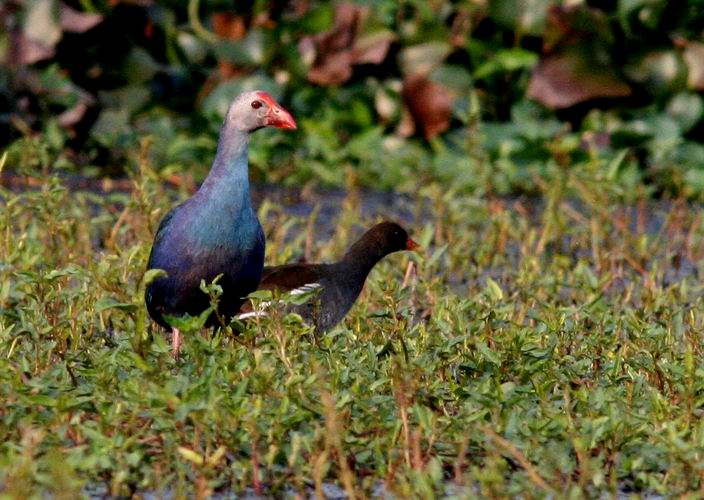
pixel 176 342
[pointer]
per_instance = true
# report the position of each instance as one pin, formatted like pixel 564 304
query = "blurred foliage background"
pixel 476 95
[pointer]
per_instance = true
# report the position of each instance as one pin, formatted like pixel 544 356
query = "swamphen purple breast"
pixel 216 231
pixel 338 284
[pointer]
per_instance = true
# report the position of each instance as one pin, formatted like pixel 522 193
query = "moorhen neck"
pixel 216 231
pixel 340 283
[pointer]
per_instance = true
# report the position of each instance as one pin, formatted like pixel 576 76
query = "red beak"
pixel 280 118
pixel 277 116
pixel 411 245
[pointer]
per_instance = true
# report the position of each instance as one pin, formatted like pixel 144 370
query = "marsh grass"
pixel 540 349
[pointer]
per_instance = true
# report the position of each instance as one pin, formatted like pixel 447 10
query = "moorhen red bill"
pixel 337 285
pixel 216 231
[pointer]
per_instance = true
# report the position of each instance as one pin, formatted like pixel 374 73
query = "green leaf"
pixel 506 60
pixel 493 290
pixel 188 323
pixel 111 303
pixel 153 274
pixel 263 295
pixel 686 109
pixel 614 165
pixel 190 455
pixel 216 456
pixel 40 399
pixel 488 354
pixel 436 255
pixel 304 297
pixel 70 270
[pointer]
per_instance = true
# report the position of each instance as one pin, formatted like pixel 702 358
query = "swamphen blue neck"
pixel 228 174
pixel 224 196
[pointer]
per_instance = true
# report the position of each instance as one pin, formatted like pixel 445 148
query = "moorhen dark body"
pixel 216 231
pixel 338 284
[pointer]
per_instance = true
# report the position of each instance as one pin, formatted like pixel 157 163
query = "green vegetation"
pixel 540 349
pixel 481 95
pixel 549 343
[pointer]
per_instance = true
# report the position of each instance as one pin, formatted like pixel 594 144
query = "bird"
pixel 336 285
pixel 216 231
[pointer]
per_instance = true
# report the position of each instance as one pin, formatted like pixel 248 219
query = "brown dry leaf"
pixel 385 105
pixel 306 47
pixel 573 24
pixel 342 36
pixel 558 27
pixel 77 22
pixel 372 49
pixel 42 31
pixel 333 50
pixel 406 126
pixel 73 115
pixel 41 25
pixel 567 73
pixel 298 8
pixel 461 26
pixel 332 70
pixel 25 51
pixel 333 54
pixel 563 80
pixel 31 51
pixel 229 26
pixel 429 103
pixel 39 35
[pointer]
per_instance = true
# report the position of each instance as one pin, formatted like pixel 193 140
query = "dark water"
pixel 334 492
pixel 414 211
pixel 328 202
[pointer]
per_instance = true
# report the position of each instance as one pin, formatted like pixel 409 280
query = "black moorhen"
pixel 216 231
pixel 338 284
